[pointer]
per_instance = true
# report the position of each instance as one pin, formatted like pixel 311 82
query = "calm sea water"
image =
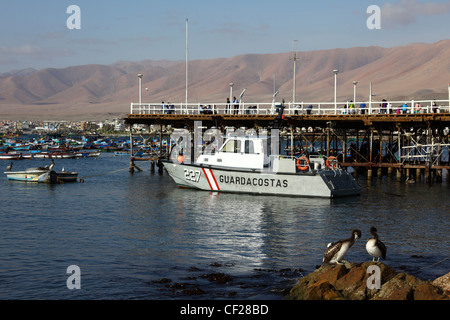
pixel 138 236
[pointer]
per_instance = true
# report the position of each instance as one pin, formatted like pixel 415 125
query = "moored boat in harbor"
pixel 10 156
pixel 42 175
pixel 242 165
pixel 66 176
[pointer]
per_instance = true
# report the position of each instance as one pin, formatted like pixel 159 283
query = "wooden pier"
pixel 411 145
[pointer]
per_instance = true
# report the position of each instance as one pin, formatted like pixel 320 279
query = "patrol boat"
pixel 241 165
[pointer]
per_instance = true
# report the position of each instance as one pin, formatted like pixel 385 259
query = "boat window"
pixel 249 148
pixel 233 146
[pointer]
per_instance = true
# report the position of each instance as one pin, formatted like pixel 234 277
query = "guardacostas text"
pixel 256 182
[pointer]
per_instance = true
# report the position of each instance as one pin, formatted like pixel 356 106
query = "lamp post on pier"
pixel 231 91
pixel 140 75
pixel 354 92
pixel 335 71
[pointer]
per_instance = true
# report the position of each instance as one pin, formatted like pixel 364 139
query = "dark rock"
pixel 193 269
pixel 215 264
pixel 193 291
pixel 177 285
pixel 443 282
pixel 400 287
pixel 322 290
pixel 427 291
pixel 219 278
pixel 162 280
pixel 351 282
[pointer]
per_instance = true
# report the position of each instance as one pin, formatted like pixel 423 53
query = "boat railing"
pixel 298 108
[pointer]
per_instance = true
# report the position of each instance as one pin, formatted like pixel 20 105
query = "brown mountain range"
pixel 89 92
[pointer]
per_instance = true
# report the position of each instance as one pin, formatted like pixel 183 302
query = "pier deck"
pixel 378 139
pixel 356 121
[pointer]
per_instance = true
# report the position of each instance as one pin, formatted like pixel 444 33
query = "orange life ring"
pixel 303 163
pixel 333 163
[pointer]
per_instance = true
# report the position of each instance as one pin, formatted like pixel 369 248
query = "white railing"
pixel 316 108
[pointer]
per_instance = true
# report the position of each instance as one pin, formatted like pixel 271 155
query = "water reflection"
pixel 127 230
pixel 247 230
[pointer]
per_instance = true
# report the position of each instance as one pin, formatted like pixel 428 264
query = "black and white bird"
pixel 336 251
pixel 375 247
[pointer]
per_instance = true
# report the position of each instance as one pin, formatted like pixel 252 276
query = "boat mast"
pixel 186 62
pixel 294 46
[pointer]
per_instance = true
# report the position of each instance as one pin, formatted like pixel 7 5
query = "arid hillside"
pixel 105 91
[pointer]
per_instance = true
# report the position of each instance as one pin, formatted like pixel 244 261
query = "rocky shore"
pixel 354 282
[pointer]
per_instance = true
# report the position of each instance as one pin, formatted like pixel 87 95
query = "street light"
pixel 140 75
pixel 354 92
pixel 230 106
pixel 335 71
pixel 231 91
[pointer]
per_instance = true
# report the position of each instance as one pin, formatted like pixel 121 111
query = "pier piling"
pixel 152 166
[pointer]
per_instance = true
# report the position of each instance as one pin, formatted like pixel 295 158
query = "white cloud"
pixel 407 11
pixel 28 54
pixel 21 50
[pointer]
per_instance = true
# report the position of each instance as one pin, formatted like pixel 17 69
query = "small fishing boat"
pixel 10 156
pixel 39 174
pixel 63 155
pixel 65 176
pixel 87 154
pixel 242 165
pixel 42 175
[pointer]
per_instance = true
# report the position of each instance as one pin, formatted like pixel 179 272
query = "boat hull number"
pixel 192 175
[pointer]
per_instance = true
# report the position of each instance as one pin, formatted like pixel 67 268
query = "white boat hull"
pixel 325 183
pixel 42 176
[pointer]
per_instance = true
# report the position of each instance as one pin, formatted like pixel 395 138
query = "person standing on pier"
pixel 384 107
pixel 435 109
pixel 417 108
pixel 404 108
pixel 228 107
pixel 363 108
pixel 236 105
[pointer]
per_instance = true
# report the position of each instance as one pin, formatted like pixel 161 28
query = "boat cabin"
pixel 239 152
pixel 247 152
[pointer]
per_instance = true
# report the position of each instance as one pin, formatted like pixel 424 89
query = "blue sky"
pixel 34 33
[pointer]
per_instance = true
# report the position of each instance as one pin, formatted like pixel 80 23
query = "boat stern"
pixel 340 183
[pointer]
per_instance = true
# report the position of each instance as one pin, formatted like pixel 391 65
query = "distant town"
pixel 106 127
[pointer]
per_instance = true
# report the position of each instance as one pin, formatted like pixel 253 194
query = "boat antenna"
pixel 294 46
pixel 187 61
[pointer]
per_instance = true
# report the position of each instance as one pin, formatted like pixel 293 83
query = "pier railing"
pixel 301 108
